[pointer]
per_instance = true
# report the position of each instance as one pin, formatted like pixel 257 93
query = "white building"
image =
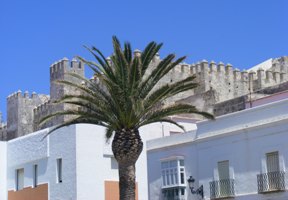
pixel 73 163
pixel 241 156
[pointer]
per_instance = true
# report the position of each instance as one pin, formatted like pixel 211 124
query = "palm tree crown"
pixel 123 97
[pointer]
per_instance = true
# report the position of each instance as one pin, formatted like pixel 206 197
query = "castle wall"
pixel 217 83
pixel 20 113
pixel 3 132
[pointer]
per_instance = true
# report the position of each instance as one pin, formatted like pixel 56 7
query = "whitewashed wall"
pixel 243 138
pixel 3 170
pixel 62 144
pixel 24 152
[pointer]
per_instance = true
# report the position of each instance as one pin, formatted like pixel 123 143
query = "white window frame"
pixel 173 176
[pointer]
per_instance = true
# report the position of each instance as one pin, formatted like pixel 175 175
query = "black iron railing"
pixel 222 188
pixel 271 181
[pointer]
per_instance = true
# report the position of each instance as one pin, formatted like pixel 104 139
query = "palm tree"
pixel 123 99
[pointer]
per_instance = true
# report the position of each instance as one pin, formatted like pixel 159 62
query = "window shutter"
pixel 272 160
pixel 223 170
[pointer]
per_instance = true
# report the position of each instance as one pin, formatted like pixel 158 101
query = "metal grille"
pixel 222 188
pixel 271 181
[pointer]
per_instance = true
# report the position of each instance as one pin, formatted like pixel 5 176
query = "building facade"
pixel 76 163
pixel 240 156
pixel 73 163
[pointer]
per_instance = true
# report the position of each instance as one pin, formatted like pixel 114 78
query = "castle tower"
pixel 60 70
pixel 20 113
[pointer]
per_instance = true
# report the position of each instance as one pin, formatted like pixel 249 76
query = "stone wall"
pixel 218 83
pixel 20 113
pixel 58 71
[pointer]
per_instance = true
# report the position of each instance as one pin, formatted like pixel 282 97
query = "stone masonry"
pixel 218 83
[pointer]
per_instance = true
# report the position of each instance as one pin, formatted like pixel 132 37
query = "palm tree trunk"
pixel 127 146
pixel 127 185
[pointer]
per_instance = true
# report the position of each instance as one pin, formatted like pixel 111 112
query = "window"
pixel 275 177
pixel 59 170
pixel 224 187
pixel 19 179
pixel 223 170
pixel 173 179
pixel 174 193
pixel 35 175
pixel 272 161
pixel 114 163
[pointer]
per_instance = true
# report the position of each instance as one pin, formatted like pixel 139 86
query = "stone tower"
pixel 20 113
pixel 59 71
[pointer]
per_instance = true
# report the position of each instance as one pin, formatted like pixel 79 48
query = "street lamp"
pixel 198 191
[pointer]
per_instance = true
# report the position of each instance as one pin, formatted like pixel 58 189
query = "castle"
pixel 222 89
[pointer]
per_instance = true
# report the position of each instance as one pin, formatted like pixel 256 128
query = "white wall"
pixel 3 170
pixel 62 144
pixel 86 159
pixel 93 168
pixel 24 152
pixel 94 156
pixel 263 130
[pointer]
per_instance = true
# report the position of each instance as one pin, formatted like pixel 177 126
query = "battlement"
pixel 218 82
pixel 59 68
pixel 20 95
pixel 38 110
pixel 3 131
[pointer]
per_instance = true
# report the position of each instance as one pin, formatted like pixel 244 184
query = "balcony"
pixel 222 189
pixel 271 182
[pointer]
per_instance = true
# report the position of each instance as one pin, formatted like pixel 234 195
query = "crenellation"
pixel 276 76
pixel 204 67
pixel 156 58
pixel 198 68
pixel 252 76
pixel 236 74
pixel 33 95
pixel 276 66
pixel 185 68
pixel 218 83
pixel 221 67
pixel 137 53
pixel 213 67
pixel 229 69
pixel 109 61
pixel 26 94
pixel 193 69
pixel 260 78
pixel 283 77
pixel 269 76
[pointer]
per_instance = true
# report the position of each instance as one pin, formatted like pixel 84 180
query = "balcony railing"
pixel 271 181
pixel 222 188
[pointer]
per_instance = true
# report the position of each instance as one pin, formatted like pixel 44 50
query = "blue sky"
pixel 34 34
